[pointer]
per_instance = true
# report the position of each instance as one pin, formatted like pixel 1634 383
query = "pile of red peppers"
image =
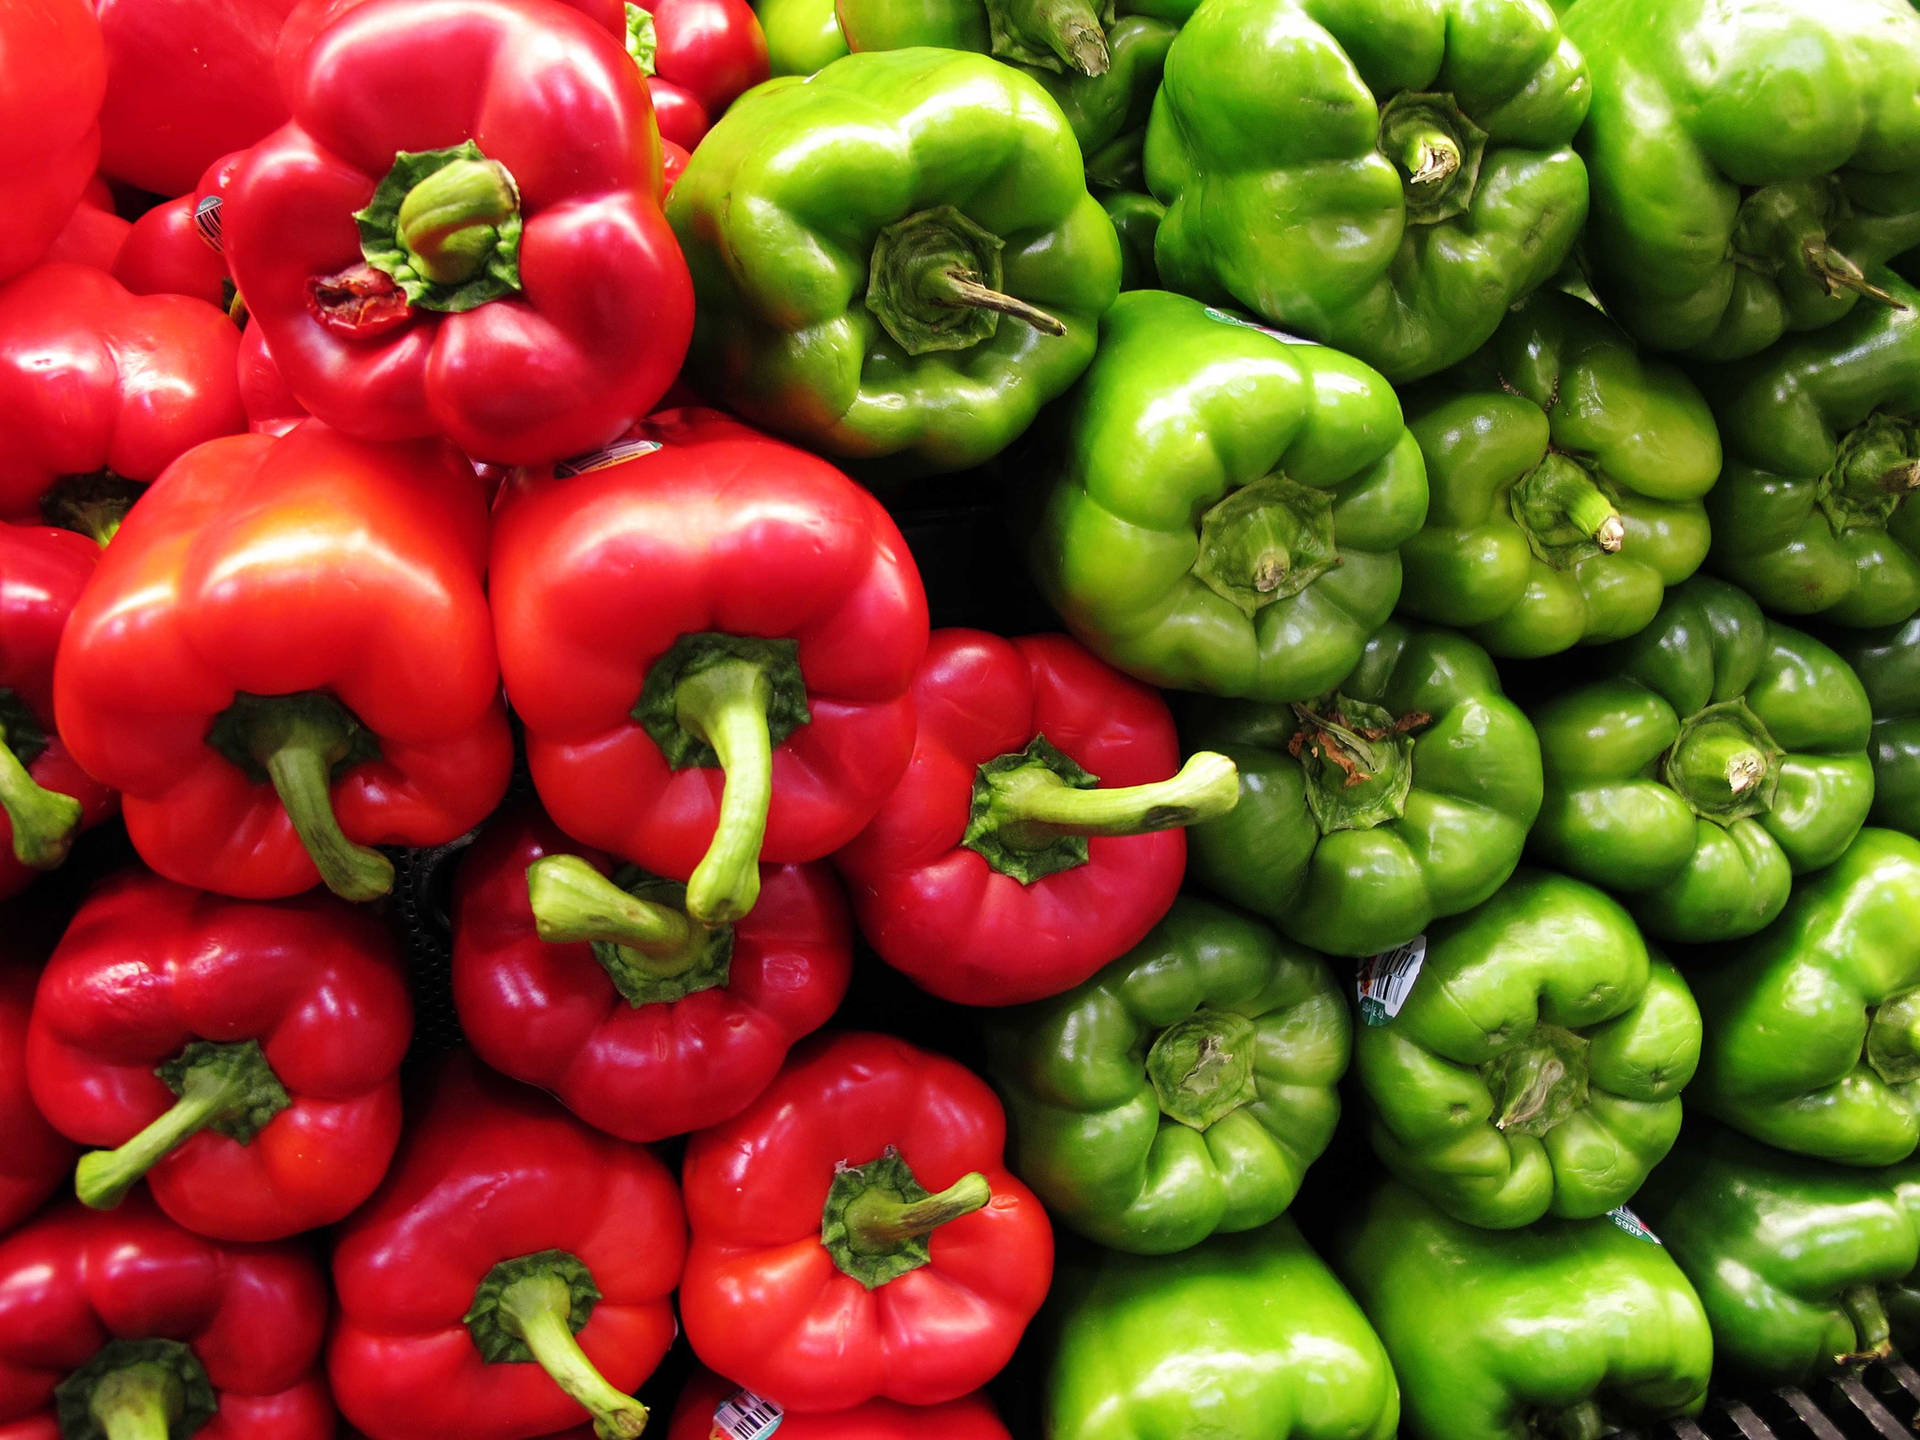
pixel 354 513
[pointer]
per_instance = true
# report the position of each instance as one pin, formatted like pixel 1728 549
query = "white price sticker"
pixel 744 1415
pixel 1384 980
pixel 624 449
pixel 1633 1225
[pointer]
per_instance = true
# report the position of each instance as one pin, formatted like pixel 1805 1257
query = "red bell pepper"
pixel 286 657
pixel 1035 835
pixel 699 56
pixel 823 1273
pixel 176 248
pixel 673 161
pixel 971 1418
pixel 187 82
pixel 123 1325
pixel 242 1056
pixel 45 797
pixel 604 992
pixel 34 1157
pixel 53 75
pixel 101 390
pixel 707 640
pixel 94 232
pixel 271 408
pixel 483 256
pixel 513 1271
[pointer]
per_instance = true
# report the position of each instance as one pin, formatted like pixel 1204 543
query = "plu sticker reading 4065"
pixel 744 1415
pixel 1633 1225
pixel 1227 317
pixel 1384 980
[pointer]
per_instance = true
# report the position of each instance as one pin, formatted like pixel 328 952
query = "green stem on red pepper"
pixel 651 950
pixel 43 821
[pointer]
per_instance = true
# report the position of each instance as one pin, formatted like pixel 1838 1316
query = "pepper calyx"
pixel 149 1389
pixel 1876 467
pixel 1056 35
pixel 1201 1067
pixel 635 925
pixel 1539 1082
pixel 1723 763
pixel 1356 758
pixel 1437 151
pixel 1892 1047
pixel 1265 542
pixel 94 505
pixel 445 227
pixel 877 1216
pixel 44 822
pixel 934 280
pixel 643 41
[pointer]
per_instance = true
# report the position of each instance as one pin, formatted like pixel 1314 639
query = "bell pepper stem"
pixel 1581 1421
pixel 574 903
pixel 1033 806
pixel 1872 1334
pixel 449 223
pixel 1836 273
pixel 962 290
pixel 138 1402
pixel 535 1310
pixel 44 821
pixel 299 772
pixel 1900 478
pixel 726 706
pixel 1560 491
pixel 103 1177
pixel 877 1221
pixel 1429 156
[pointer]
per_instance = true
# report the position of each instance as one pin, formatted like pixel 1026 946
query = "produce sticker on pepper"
pixel 1384 980
pixel 744 1415
pixel 1632 1224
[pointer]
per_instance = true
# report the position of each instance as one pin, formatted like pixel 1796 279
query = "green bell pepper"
pixel 1183 1090
pixel 1888 664
pixel 1247 1336
pixel 1565 476
pixel 1822 434
pixel 1226 509
pixel 1535 1062
pixel 1570 1329
pixel 1750 159
pixel 1813 1026
pixel 1136 220
pixel 1384 175
pixel 895 257
pixel 802 35
pixel 1804 1268
pixel 1719 756
pixel 1403 794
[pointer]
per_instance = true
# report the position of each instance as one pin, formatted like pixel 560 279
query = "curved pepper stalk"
pixel 877 1217
pixel 44 821
pixel 652 951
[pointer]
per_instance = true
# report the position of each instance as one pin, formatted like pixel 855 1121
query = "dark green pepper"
pixel 1720 756
pixel 1183 1090
pixel 1535 1061
pixel 1888 664
pixel 1565 476
pixel 1571 1329
pixel 1384 175
pixel 1227 507
pixel 1136 220
pixel 1403 794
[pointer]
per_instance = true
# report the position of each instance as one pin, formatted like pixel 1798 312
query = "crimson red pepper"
pixel 971 1418
pixel 483 256
pixel 34 1157
pixel 176 248
pixel 514 1269
pixel 285 657
pixel 243 1056
pixel 603 991
pixel 1035 835
pixel 699 55
pixel 708 639
pixel 271 408
pixel 53 75
pixel 823 1273
pixel 673 161
pixel 45 797
pixel 94 232
pixel 101 390
pixel 123 1325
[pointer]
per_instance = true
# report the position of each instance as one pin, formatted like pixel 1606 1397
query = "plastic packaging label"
pixel 743 1415
pixel 206 220
pixel 1227 317
pixel 1633 1225
pixel 626 448
pixel 1384 980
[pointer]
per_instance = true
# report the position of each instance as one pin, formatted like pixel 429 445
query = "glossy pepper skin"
pixel 949 288
pixel 34 1157
pixel 45 797
pixel 1535 1066
pixel 1719 756
pixel 802 35
pixel 699 56
pixel 856 1234
pixel 1402 794
pixel 514 1269
pixel 1748 161
pixel 1822 431
pixel 1887 663
pixel 1036 833
pixel 1385 178
pixel 589 980
pixel 1136 220
pixel 101 390
pixel 1565 475
pixel 1801 1265
pixel 1569 1327
pixel 243 1058
pixel 1225 510
pixel 710 643
pixel 1245 1335
pixel 53 76
pixel 484 258
pixel 969 1418
pixel 285 658
pixel 1813 1025
pixel 1183 1090
pixel 178 247
pixel 124 1323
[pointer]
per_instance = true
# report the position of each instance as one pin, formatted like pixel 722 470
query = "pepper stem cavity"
pixel 94 505
pixel 1723 763
pixel 135 1390
pixel 229 1088
pixel 1872 1334
pixel 1892 1046
pixel 1033 810
pixel 934 284
pixel 877 1217
pixel 1357 759
pixel 1565 514
pixel 635 924
pixel 1201 1068
pixel 1539 1082
pixel 528 1310
pixel 1437 150
pixel 445 226
pixel 43 821
pixel 1054 35
pixel 302 744
pixel 1876 467
pixel 1838 275
pixel 1265 542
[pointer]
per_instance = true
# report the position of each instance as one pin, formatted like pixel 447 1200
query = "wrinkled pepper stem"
pixel 1437 149
pixel 877 1222
pixel 44 821
pixel 1872 1333
pixel 1428 156
pixel 1201 1068
pixel 1723 763
pixel 573 902
pixel 1564 512
pixel 934 284
pixel 1837 274
pixel 1539 1082
pixel 1265 542
pixel 535 1311
pixel 643 39
pixel 141 1402
pixel 962 289
pixel 1035 807
pixel 1038 31
pixel 877 1217
pixel 445 227
pixel 1892 1048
